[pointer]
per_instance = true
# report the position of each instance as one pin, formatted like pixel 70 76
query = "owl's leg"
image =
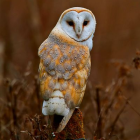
pixel 64 121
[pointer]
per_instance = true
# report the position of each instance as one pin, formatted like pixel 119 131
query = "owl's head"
pixel 78 23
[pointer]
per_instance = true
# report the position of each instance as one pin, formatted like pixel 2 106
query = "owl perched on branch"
pixel 65 63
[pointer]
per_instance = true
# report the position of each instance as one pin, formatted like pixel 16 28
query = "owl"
pixel 65 63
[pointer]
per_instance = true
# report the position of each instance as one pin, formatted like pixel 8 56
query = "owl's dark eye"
pixel 85 23
pixel 70 23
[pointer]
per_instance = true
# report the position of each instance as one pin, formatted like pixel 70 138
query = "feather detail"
pixel 64 121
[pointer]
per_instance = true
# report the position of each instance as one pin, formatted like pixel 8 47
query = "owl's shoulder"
pixel 57 38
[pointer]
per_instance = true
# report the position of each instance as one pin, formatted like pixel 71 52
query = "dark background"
pixel 25 24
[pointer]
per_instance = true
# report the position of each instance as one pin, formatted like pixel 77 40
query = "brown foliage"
pixel 111 103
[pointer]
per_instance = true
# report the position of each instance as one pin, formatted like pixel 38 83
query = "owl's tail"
pixel 64 121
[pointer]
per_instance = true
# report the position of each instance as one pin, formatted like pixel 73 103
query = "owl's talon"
pixel 53 134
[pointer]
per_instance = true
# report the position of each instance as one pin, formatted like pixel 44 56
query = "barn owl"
pixel 65 63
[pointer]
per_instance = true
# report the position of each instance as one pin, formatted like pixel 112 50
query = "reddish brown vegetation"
pixel 108 105
pixel 111 104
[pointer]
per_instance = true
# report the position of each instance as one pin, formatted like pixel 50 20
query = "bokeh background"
pixel 25 24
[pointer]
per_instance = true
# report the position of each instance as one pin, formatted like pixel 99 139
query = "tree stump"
pixel 73 130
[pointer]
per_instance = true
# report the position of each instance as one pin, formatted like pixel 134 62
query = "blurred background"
pixel 112 100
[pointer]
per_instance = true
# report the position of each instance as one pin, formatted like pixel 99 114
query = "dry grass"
pixel 21 102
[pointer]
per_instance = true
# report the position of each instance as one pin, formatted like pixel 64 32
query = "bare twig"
pixel 30 134
pixel 130 104
pixel 2 50
pixel 116 119
pixel 99 122
pixel 114 92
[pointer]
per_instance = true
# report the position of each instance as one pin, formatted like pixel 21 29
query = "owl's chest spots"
pixel 64 68
pixel 63 61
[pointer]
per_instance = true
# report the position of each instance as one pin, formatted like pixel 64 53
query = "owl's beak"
pixel 78 29
pixel 78 35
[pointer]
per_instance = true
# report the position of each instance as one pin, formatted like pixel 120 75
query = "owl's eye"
pixel 70 23
pixel 85 23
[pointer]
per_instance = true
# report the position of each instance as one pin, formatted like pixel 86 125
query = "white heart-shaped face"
pixel 79 26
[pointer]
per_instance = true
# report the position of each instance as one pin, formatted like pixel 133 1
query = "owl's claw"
pixel 53 134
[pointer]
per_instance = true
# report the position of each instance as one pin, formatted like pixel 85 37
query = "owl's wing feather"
pixel 64 121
